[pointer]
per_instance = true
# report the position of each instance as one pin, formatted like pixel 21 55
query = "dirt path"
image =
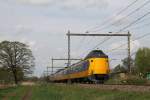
pixel 28 94
pixel 3 86
pixel 9 95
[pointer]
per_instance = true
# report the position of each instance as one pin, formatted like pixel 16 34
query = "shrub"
pixel 135 80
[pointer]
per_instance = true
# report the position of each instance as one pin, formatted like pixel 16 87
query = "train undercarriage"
pixel 96 78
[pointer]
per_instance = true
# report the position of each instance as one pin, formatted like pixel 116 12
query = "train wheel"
pixel 69 81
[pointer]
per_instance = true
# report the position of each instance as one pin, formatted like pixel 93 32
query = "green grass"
pixel 55 92
pixel 72 92
pixel 13 93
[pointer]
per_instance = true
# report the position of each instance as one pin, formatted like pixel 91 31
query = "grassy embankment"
pixel 13 93
pixel 55 92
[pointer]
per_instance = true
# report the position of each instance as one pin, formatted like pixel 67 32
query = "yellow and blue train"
pixel 94 68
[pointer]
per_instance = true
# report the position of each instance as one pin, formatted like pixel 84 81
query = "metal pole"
pixel 129 53
pixel 68 65
pixel 47 70
pixel 77 34
pixel 53 59
pixel 68 49
pixel 115 34
pixel 52 66
pixel 66 59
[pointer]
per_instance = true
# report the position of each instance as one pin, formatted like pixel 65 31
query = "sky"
pixel 43 24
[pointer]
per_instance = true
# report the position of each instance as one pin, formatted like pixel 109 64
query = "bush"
pixel 135 80
pixel 128 80
pixel 114 80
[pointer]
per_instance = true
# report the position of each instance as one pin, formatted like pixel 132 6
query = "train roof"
pixel 92 54
pixel 59 70
pixel 96 54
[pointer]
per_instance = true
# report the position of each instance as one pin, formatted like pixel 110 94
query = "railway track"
pixel 113 87
pixel 118 87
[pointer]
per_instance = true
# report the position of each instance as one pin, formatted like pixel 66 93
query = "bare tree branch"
pixel 17 57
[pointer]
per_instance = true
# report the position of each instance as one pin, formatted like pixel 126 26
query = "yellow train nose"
pixel 99 66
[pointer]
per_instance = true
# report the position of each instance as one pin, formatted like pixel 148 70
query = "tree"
pixel 119 69
pixel 17 57
pixel 142 60
pixel 4 75
pixel 124 67
pixel 125 63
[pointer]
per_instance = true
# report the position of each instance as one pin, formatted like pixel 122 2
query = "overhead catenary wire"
pixel 140 37
pixel 134 53
pixel 134 22
pixel 142 21
pixel 129 25
pixel 131 13
pixel 108 38
pixel 139 27
pixel 117 14
pixel 126 43
pixel 102 42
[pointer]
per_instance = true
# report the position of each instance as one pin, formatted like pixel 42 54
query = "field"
pixel 68 92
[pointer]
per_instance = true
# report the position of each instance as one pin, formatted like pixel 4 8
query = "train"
pixel 94 68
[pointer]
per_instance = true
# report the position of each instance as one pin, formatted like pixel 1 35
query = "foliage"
pixel 124 66
pixel 125 63
pixel 127 80
pixel 16 57
pixel 142 60
pixel 114 80
pixel 119 68
pixel 5 76
pixel 131 79
pixel 32 79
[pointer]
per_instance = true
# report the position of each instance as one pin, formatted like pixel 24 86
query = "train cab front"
pixel 99 65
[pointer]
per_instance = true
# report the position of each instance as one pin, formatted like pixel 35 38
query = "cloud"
pixel 78 4
pixel 22 29
pixel 35 2
pixel 68 4
pixel 134 45
pixel 31 43
pixel 117 44
pixel 121 20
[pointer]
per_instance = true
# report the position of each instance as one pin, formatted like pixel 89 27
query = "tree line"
pixel 140 65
